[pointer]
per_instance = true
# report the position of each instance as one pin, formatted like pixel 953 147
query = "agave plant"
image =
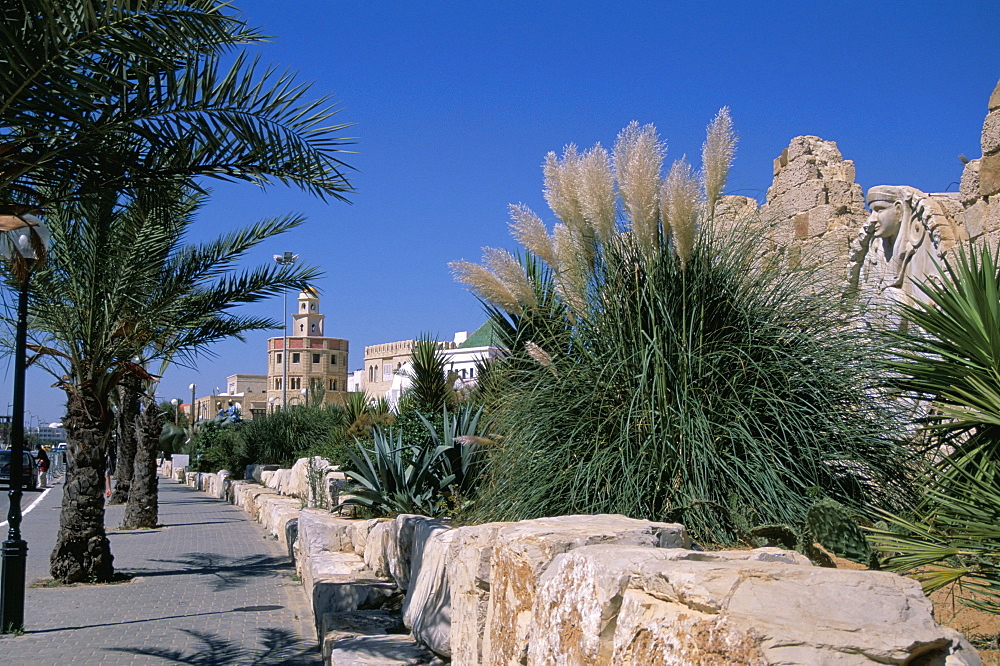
pixel 398 477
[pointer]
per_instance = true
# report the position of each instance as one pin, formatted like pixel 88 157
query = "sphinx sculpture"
pixel 903 244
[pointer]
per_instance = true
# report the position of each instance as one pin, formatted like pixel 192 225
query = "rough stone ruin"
pixel 820 218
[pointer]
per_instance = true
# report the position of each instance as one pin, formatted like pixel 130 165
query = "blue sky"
pixel 456 104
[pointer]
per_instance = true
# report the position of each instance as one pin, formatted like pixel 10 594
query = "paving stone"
pixel 210 588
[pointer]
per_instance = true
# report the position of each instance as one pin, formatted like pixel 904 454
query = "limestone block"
pixel 321 533
pixel 468 573
pixel 797 172
pixel 845 197
pixel 688 611
pixel 191 479
pixel 825 151
pixel 579 596
pixel 523 550
pixel 994 102
pixel 427 605
pixel 340 582
pixel 377 548
pixel 275 512
pixel 389 650
pixel 400 545
pixel 359 533
pixel 969 187
pixel 297 482
pixel 843 170
pixel 991 133
pixel 989 175
pixel 338 626
pixel 800 199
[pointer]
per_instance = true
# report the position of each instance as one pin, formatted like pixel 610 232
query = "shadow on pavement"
pixel 278 646
pixel 226 572
pixel 243 609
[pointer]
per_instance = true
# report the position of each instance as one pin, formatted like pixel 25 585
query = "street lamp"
pixel 23 245
pixel 305 396
pixel 176 403
pixel 193 387
pixel 286 259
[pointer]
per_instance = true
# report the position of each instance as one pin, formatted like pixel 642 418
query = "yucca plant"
pixel 950 361
pixel 664 367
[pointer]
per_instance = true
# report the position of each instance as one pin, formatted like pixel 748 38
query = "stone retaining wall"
pixel 581 590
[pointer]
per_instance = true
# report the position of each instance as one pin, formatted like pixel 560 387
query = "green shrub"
pixel 673 368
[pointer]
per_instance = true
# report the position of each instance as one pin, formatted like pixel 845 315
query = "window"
pixel 472 372
pixel 303 307
pixel 277 358
pixel 302 328
pixel 316 358
pixel 333 384
pixel 312 306
pixel 296 357
pixel 313 328
pixel 277 384
pixel 387 373
pixel 333 359
pixel 294 383
pixel 371 369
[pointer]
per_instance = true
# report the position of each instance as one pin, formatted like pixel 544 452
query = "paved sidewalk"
pixel 210 588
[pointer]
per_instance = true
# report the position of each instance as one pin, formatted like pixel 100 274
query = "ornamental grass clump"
pixel 669 369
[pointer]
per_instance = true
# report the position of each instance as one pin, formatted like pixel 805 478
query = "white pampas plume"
pixel 638 160
pixel 541 356
pixel 597 192
pixel 680 201
pixel 561 176
pixel 511 273
pixel 529 230
pixel 485 285
pixel 717 156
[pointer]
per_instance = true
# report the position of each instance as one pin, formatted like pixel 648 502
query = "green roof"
pixel 482 337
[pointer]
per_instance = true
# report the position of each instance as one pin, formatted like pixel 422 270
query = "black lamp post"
pixel 24 246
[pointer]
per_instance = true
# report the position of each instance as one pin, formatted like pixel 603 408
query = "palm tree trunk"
pixel 142 508
pixel 128 411
pixel 83 552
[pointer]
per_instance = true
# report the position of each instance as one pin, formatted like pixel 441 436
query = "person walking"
pixel 42 463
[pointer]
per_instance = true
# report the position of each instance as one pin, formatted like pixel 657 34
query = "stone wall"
pixel 980 188
pixel 584 590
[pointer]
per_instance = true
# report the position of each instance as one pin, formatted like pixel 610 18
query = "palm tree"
pixel 105 94
pixel 104 97
pixel 119 285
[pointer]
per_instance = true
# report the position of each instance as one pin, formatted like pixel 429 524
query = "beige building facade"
pixel 316 364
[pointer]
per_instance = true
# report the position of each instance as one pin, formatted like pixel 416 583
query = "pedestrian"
pixel 109 471
pixel 42 463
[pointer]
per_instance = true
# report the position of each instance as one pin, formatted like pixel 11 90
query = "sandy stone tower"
pixel 317 365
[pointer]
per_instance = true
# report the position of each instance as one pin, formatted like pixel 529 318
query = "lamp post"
pixel 23 245
pixel 286 259
pixel 176 403
pixel 193 388
pixel 305 396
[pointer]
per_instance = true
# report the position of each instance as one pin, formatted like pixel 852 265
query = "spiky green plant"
pixel 668 370
pixel 951 360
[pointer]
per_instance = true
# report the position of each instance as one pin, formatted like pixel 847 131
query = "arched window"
pixel 313 328
pixel 302 328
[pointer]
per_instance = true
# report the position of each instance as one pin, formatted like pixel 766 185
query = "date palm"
pixel 120 284
pixel 101 99
pixel 113 94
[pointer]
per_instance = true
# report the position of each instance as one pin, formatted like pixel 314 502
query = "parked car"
pixel 28 479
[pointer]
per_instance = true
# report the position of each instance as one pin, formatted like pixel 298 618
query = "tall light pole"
pixel 23 245
pixel 176 403
pixel 193 387
pixel 286 259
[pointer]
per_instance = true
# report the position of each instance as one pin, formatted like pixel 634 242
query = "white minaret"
pixel 307 321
